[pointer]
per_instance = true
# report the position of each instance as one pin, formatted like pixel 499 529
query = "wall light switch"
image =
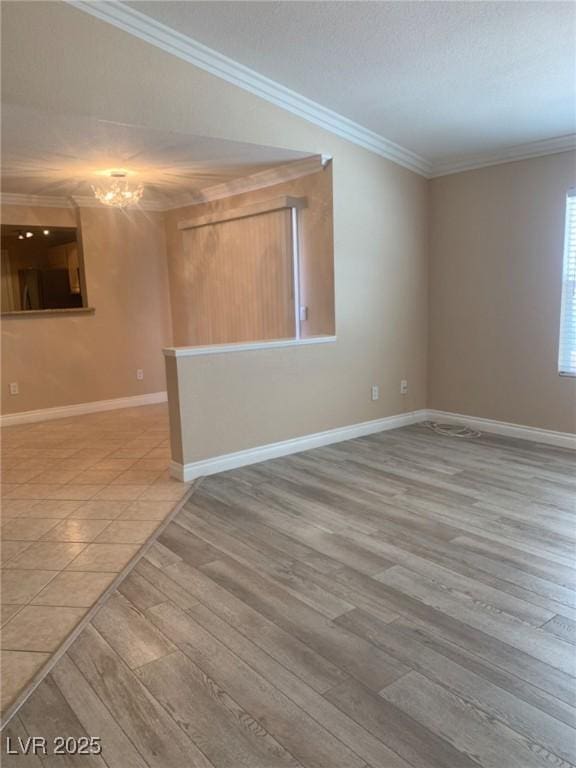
pixel 403 387
pixel 375 392
pixel 140 374
pixel 14 388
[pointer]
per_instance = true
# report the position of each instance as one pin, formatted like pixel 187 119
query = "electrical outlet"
pixel 375 392
pixel 140 374
pixel 14 388
pixel 403 387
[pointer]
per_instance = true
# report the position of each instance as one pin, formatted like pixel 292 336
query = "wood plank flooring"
pixel 404 600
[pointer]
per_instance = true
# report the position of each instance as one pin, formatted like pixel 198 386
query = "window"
pixel 567 355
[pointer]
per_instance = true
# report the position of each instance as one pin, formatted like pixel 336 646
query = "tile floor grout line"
pixel 48 469
pixel 21 698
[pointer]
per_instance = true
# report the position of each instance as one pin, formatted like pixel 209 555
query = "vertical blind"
pixel 567 355
pixel 242 280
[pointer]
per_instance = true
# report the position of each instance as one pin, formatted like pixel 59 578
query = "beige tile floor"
pixel 79 498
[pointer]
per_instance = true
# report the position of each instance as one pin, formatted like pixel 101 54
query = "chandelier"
pixel 119 193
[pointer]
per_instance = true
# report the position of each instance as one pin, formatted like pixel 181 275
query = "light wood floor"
pixel 399 600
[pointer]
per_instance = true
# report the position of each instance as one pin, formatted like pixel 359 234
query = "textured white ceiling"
pixel 443 79
pixel 62 155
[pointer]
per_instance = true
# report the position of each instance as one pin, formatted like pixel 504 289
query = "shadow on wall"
pixel 254 266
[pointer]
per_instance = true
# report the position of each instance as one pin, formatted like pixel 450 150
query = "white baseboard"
pixel 536 434
pixel 191 471
pixel 188 472
pixel 80 409
pixel 285 447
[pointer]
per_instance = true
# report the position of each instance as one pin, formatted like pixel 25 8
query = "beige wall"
pixel 315 223
pixel 75 358
pixel 84 66
pixel 495 283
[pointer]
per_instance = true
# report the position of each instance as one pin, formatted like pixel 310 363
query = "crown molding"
pixel 85 201
pixel 40 201
pixel 74 201
pixel 258 180
pixel 186 48
pixel 290 171
pixel 508 155
pixel 151 31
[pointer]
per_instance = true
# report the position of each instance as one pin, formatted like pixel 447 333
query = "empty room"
pixel 288 393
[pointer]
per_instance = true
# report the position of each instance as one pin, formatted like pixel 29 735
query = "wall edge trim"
pixel 245 346
pixel 260 453
pixel 81 409
pixel 222 463
pixel 508 429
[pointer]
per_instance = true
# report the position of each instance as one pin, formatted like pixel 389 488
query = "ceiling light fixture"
pixel 45 231
pixel 29 234
pixel 119 194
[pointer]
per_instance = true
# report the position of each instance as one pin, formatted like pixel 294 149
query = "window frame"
pixel 85 306
pixel 567 284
